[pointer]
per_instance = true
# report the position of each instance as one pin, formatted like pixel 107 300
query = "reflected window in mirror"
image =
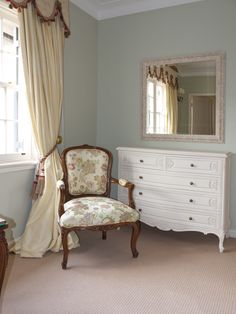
pixel 183 98
pixel 156 107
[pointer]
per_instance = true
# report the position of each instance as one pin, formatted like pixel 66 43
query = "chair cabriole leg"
pixel 104 235
pixel 134 237
pixel 64 234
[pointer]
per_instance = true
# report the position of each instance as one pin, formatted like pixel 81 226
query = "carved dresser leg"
pixel 134 237
pixel 221 242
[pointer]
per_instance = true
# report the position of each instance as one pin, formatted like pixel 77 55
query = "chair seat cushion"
pixel 96 211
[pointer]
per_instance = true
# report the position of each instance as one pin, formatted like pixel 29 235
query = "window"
pixel 15 127
pixel 156 107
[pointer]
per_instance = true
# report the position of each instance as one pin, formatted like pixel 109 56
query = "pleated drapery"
pixel 43 53
pixel 172 109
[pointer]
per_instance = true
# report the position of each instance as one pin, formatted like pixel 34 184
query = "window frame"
pixel 162 115
pixel 28 156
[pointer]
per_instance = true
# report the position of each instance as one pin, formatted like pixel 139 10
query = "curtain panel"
pixel 42 46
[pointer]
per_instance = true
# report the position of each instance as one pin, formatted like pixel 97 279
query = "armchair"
pixel 85 202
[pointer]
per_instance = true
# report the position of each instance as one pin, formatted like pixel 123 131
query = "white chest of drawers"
pixel 179 190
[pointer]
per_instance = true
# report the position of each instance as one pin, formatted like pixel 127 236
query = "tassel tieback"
pixel 39 182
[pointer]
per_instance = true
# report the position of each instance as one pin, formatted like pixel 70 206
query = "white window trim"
pixel 17 166
pixel 4 6
pixel 16 161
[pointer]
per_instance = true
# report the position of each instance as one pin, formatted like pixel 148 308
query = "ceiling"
pixel 104 9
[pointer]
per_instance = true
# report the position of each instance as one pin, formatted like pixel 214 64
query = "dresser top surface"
pixel 175 152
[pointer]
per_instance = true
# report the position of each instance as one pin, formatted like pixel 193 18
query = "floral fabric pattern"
pixel 96 211
pixel 87 171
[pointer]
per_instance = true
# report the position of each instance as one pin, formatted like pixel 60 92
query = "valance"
pixel 165 74
pixel 47 10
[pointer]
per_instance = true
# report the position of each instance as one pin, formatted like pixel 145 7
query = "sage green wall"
pixel 80 79
pixel 169 32
pixel 15 199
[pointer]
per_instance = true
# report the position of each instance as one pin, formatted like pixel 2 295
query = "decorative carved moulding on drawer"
pixel 179 190
pixel 213 166
pixel 169 163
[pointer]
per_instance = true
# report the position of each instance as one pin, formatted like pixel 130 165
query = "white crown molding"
pixel 119 8
pixel 87 6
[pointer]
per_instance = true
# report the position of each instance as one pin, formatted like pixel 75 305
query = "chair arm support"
pixel 61 187
pixel 126 184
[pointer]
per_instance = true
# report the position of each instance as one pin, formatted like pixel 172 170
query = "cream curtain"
pixel 42 51
pixel 167 75
pixel 172 109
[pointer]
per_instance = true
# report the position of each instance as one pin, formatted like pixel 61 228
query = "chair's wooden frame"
pixel 65 196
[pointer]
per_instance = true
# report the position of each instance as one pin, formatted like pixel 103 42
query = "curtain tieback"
pixel 39 182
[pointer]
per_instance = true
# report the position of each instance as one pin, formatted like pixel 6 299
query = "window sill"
pixel 17 166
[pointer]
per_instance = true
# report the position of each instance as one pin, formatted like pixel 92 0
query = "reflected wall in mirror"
pixel 183 98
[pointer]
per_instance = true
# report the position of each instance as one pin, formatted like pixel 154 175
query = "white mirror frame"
pixel 219 58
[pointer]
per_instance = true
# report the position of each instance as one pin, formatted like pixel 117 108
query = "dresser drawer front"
pixel 143 160
pixel 171 215
pixel 194 165
pixel 172 163
pixel 188 182
pixel 187 200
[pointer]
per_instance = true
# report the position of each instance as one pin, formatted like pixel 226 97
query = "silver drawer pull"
pixel 190 218
pixel 140 177
pixel 140 193
pixel 191 183
pixel 190 201
pixel 141 160
pixel 140 210
pixel 192 165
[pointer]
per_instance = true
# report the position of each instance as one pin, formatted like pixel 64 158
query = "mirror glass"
pixel 183 98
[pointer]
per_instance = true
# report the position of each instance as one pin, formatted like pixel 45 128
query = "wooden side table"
pixel 3 254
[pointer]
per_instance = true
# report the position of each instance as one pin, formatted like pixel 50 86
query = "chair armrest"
pixel 61 187
pixel 60 184
pixel 126 184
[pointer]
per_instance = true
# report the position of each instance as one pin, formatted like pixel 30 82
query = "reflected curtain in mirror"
pixel 162 107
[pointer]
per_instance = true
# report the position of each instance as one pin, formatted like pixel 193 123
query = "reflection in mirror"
pixel 183 98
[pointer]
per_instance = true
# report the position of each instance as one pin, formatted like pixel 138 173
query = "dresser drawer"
pixel 172 163
pixel 179 199
pixel 191 182
pixel 143 160
pixel 194 165
pixel 171 215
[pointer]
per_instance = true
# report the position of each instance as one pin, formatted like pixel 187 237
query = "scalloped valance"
pixel 164 74
pixel 47 10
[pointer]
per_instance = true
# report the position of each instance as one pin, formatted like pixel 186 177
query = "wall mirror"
pixel 183 98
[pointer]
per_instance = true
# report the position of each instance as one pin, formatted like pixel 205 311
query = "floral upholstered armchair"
pixel 85 201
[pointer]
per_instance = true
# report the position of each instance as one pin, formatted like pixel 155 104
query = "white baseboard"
pixel 232 233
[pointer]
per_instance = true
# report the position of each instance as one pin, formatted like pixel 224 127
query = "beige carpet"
pixel 174 273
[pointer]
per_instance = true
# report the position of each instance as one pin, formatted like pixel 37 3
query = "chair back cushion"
pixel 87 171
